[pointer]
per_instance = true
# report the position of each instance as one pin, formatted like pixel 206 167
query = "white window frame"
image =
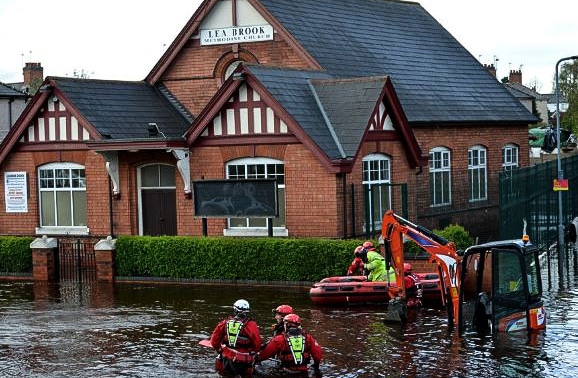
pixel 478 173
pixel 510 157
pixel 440 164
pixel 249 230
pixel 81 229
pixel 376 169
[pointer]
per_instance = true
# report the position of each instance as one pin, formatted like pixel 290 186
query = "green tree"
pixel 568 81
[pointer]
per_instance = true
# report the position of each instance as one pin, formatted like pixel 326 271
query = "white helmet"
pixel 241 307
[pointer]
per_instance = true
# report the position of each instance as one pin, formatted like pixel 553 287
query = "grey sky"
pixel 123 39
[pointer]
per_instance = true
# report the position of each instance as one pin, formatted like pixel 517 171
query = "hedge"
pixel 15 254
pixel 259 259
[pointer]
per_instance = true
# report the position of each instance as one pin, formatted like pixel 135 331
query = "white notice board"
pixel 16 192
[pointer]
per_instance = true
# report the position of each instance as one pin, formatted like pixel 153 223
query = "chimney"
pixel 491 69
pixel 33 72
pixel 515 76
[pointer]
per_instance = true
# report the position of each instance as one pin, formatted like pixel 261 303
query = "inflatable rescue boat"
pixel 351 289
pixel 341 290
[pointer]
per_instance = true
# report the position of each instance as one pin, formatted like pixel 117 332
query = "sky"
pixel 123 39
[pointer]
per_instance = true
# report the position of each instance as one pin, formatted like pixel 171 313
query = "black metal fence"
pixel 76 259
pixel 527 195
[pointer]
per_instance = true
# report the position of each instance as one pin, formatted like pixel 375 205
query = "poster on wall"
pixel 16 192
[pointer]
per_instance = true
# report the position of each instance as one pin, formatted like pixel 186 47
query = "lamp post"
pixel 561 246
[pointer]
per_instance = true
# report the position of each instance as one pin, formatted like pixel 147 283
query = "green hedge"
pixel 15 254
pixel 260 259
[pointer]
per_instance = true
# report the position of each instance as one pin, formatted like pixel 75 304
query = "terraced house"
pixel 353 106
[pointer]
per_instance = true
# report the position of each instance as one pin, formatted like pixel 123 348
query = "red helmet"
pixel 407 268
pixel 292 319
pixel 283 310
pixel 368 245
pixel 358 249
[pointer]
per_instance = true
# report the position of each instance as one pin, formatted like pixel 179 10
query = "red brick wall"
pixel 194 76
pixel 310 191
pixel 480 219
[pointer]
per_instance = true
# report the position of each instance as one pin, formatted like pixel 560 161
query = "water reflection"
pixel 153 330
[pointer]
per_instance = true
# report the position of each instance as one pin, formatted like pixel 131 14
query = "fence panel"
pixel 527 194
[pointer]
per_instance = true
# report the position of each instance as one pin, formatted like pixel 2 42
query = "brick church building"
pixel 352 106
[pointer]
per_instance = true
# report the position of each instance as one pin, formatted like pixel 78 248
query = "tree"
pixel 568 81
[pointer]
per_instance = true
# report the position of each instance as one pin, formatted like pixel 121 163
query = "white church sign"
pixel 237 34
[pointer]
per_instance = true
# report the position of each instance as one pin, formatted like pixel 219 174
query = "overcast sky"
pixel 123 39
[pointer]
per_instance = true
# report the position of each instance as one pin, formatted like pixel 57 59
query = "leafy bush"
pixel 15 254
pixel 458 235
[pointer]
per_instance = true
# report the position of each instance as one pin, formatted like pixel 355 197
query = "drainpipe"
pixel 111 222
pixel 10 101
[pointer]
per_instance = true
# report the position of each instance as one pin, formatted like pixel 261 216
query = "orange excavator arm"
pixel 441 251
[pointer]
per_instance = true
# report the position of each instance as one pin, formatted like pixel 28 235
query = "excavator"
pixel 492 287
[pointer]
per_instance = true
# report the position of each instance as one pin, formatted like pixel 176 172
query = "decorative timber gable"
pixel 54 123
pixel 245 113
pixel 381 121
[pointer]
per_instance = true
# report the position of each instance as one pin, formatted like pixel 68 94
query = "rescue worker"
pixel 279 313
pixel 295 348
pixel 356 266
pixel 371 266
pixel 412 283
pixel 234 339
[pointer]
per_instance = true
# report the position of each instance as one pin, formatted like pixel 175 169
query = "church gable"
pixel 244 114
pixel 54 123
pixel 233 21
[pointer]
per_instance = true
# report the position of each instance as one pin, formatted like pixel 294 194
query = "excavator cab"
pixel 501 288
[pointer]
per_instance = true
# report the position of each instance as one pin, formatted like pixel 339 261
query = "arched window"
pixel 440 176
pixel 62 197
pixel 231 67
pixel 510 157
pixel 376 180
pixel 477 173
pixel 258 168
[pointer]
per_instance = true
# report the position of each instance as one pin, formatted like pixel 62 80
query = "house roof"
pixel 334 114
pixel 8 91
pixel 436 78
pixel 521 91
pixel 123 109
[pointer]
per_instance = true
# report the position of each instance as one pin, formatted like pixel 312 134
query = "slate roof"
pixel 8 91
pixel 292 89
pixel 436 79
pixel 349 105
pixel 334 112
pixel 123 109
pixel 521 91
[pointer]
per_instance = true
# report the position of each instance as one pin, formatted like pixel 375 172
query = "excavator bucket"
pixel 396 311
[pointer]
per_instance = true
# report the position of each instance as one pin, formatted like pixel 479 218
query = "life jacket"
pixel 235 335
pixel 298 355
pixel 413 290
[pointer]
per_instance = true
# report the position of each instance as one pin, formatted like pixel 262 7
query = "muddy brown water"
pixel 151 329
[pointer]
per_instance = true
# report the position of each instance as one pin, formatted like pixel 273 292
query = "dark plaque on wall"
pixel 235 198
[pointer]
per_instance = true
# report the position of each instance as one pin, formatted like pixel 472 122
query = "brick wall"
pixel 195 75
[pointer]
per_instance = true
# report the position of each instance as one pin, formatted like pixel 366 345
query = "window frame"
pixel 445 169
pixel 478 166
pixel 510 157
pixel 263 163
pixel 56 184
pixel 383 169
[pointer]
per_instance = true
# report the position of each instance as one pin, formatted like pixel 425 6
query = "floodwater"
pixel 153 329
